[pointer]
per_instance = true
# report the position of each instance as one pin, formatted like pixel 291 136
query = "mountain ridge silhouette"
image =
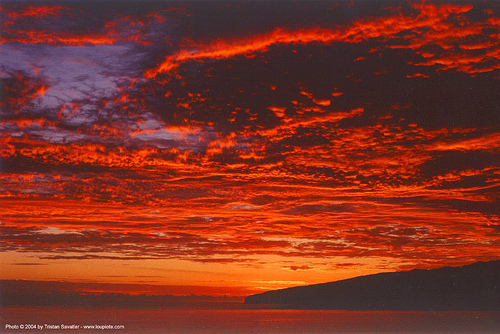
pixel 471 287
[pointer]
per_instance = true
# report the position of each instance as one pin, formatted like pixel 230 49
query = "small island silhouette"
pixel 471 287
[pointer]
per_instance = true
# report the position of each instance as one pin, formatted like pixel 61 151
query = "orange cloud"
pixel 431 24
pixel 17 32
pixel 488 142
pixel 85 154
pixel 36 11
pixel 20 90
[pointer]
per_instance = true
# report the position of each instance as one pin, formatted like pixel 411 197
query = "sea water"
pixel 223 319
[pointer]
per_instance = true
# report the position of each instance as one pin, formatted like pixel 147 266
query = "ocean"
pixel 239 319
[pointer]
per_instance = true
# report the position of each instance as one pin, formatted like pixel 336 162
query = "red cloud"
pixel 432 25
pixel 20 90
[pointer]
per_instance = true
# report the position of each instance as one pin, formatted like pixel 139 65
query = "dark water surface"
pixel 238 320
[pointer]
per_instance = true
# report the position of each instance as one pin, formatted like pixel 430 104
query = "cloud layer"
pixel 307 137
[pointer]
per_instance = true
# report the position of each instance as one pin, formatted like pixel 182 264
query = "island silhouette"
pixel 470 287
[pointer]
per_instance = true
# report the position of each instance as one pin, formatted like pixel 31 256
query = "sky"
pixel 226 148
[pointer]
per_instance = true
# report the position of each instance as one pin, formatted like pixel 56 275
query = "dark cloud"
pixel 454 160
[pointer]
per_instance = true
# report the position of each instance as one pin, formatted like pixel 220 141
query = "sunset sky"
pixel 228 148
